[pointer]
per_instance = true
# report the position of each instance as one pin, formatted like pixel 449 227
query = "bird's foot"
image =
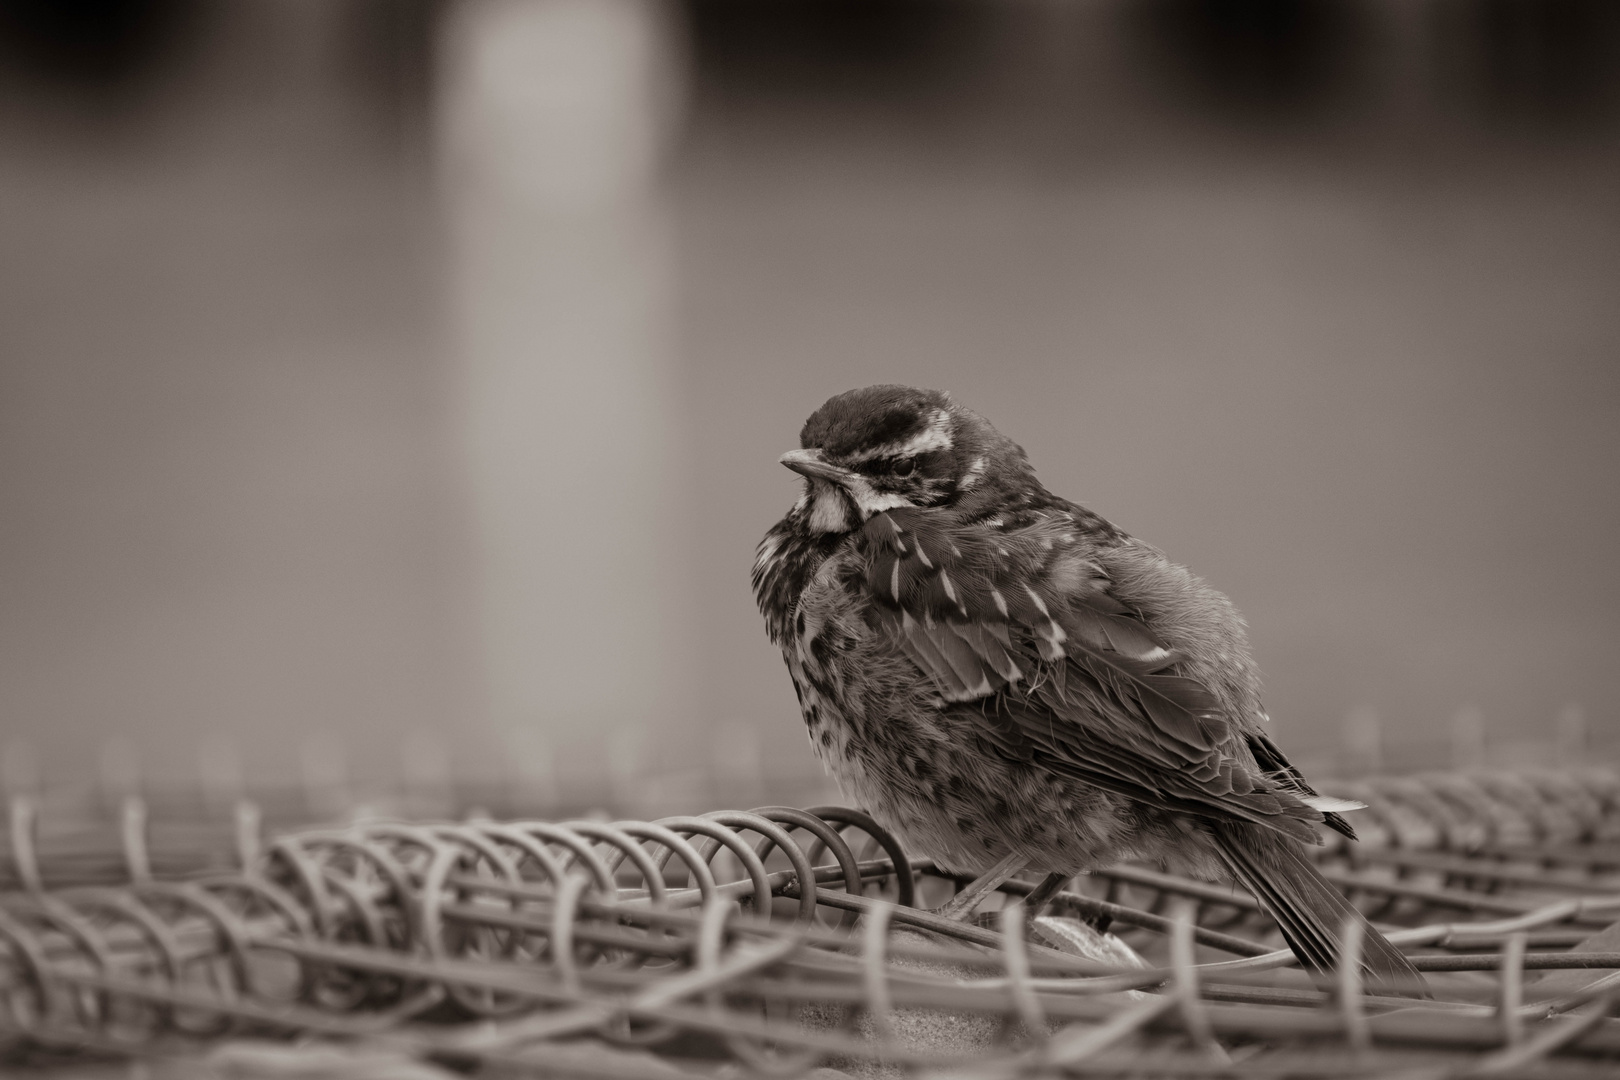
pixel 960 908
pixel 1041 895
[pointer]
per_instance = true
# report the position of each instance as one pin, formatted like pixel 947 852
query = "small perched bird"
pixel 1008 681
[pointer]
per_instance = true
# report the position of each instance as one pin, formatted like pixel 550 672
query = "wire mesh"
pixel 777 941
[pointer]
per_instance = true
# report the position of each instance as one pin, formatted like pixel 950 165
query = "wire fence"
pixel 778 941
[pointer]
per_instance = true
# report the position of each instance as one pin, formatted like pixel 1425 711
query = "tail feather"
pixel 1311 912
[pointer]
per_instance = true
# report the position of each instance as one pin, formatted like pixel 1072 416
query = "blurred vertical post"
pixel 554 119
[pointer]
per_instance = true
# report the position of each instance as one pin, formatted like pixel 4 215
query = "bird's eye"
pixel 904 467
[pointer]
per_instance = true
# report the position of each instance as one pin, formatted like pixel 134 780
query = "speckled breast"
pixel 925 770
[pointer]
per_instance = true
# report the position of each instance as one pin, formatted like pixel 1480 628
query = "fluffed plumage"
pixel 992 670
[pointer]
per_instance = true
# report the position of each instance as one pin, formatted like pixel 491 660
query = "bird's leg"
pixel 961 906
pixel 1042 894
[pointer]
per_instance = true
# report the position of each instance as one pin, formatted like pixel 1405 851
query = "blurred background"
pixel 391 391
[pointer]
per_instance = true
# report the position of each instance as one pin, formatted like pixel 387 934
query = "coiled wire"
pixel 778 939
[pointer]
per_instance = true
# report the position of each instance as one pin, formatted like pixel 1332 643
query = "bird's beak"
pixel 810 463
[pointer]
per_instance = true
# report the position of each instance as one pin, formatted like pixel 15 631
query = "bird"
pixel 1009 682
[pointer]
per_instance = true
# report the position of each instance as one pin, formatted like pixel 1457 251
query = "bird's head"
pixel 885 447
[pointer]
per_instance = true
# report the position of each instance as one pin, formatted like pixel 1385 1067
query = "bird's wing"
pixel 1019 628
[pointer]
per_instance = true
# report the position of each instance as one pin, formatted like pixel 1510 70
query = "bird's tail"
pixel 1310 911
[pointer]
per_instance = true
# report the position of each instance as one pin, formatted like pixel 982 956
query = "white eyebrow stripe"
pixel 975 472
pixel 935 436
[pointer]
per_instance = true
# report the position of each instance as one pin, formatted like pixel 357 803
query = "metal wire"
pixel 778 940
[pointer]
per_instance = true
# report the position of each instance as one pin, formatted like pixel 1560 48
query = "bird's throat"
pixel 830 508
pixel 787 559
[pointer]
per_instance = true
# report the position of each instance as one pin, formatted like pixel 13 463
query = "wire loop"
pixel 711 939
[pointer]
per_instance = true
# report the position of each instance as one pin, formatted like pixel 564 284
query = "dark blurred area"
pixel 95 46
pixel 390 391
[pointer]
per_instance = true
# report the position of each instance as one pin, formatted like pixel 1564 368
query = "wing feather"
pixel 992 645
pixel 1020 628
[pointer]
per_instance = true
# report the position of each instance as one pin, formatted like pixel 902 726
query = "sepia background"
pixel 391 392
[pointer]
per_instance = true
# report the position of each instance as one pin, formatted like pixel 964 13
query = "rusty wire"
pixel 778 940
